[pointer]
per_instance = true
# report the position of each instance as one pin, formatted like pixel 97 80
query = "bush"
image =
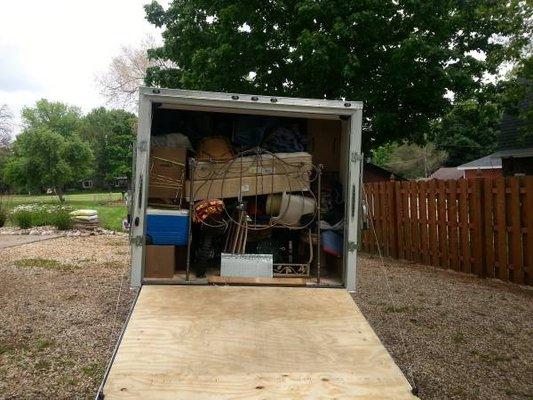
pixel 26 216
pixel 3 217
pixel 62 220
pixel 23 219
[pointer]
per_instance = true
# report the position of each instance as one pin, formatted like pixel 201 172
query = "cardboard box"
pixel 247 186
pixel 160 261
pixel 167 172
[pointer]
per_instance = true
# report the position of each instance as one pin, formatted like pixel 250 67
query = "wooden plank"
pixel 501 221
pixel 227 342
pixel 476 221
pixel 442 225
pixel 407 221
pixel 528 240
pixel 464 226
pixel 252 281
pixel 515 239
pixel 393 214
pixel 399 219
pixel 432 222
pixel 451 186
pixel 415 234
pixel 423 228
pixel 489 228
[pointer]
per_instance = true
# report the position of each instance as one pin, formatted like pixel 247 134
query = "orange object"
pixel 215 148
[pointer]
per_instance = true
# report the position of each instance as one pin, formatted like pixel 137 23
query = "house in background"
pixel 374 173
pixel 447 173
pixel 485 167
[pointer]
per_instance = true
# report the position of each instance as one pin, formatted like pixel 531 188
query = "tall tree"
pixel 58 117
pixel 49 152
pixel 111 134
pixel 469 130
pixel 43 158
pixel 400 57
pixel 126 72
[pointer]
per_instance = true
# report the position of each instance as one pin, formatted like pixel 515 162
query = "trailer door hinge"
pixel 356 157
pixel 138 240
pixel 352 246
pixel 142 145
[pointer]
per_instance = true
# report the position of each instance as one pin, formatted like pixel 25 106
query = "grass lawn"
pixel 111 209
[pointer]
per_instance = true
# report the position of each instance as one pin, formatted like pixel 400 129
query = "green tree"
pixel 409 160
pixel 49 153
pixel 43 158
pixel 399 57
pixel 469 130
pixel 58 117
pixel 111 134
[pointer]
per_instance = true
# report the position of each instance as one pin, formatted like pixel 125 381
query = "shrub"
pixel 26 216
pixel 3 217
pixel 62 220
pixel 23 219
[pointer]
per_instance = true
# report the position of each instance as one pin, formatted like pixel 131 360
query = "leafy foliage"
pixel 49 152
pixel 58 117
pixel 400 57
pixel 469 130
pixel 111 134
pixel 409 160
pixel 43 158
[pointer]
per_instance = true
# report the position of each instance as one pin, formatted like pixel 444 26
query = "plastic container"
pixel 167 227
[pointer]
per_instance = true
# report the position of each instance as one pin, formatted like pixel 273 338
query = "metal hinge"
pixel 138 240
pixel 142 145
pixel 356 157
pixel 352 246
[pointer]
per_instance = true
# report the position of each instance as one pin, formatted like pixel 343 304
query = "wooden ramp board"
pixel 228 342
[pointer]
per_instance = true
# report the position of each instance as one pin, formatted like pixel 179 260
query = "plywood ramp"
pixel 227 342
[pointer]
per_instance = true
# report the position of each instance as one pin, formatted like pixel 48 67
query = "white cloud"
pixel 54 48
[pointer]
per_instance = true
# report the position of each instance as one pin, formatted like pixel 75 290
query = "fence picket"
pixel 490 223
pixel 516 231
pixel 423 222
pixel 453 224
pixel 528 240
pixel 442 227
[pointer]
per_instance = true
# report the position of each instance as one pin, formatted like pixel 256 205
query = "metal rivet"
pixel 156 91
pixel 235 97
pixel 347 104
pixel 255 98
pixel 273 100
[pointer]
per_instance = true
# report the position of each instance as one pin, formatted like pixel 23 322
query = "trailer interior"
pixel 244 198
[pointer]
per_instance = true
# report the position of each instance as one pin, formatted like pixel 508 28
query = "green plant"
pixel 22 219
pixel 62 220
pixel 3 216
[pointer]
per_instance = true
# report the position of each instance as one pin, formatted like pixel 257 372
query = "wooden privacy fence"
pixel 480 226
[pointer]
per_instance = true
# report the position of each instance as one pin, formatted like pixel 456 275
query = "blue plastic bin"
pixel 167 227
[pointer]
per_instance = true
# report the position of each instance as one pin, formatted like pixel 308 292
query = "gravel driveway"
pixel 462 337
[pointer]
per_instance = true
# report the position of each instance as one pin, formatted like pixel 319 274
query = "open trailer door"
pixel 229 342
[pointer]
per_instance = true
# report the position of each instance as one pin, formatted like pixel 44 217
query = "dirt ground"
pixel 460 336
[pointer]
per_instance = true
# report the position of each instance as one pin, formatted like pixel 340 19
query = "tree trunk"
pixel 59 192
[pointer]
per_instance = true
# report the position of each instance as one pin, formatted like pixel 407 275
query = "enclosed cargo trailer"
pixel 270 315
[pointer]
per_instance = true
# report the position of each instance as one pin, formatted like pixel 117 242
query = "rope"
pixel 410 377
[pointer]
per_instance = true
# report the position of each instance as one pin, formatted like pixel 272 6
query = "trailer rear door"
pixel 228 342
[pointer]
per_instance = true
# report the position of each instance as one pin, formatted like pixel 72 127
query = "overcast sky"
pixel 54 48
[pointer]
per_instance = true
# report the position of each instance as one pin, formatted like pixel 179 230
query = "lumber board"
pixel 228 342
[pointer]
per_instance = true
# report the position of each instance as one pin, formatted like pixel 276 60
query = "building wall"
pixel 483 173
